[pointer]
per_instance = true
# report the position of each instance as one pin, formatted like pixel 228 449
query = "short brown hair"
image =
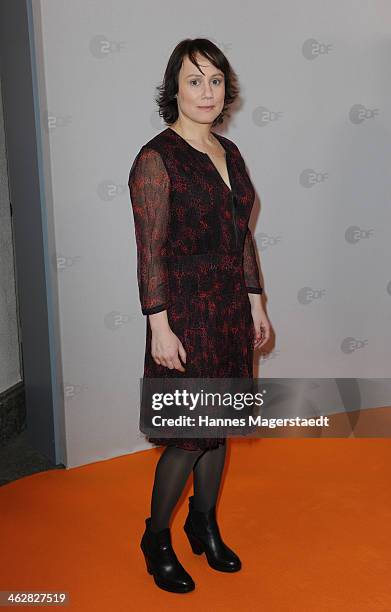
pixel 166 99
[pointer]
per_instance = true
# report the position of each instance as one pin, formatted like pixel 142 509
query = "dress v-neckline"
pixel 210 159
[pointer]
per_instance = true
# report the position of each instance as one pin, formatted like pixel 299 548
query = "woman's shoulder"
pixel 165 144
pixel 151 157
pixel 224 140
pixel 158 147
pixel 230 145
pixel 165 137
pixel 152 150
pixel 158 140
pixel 153 144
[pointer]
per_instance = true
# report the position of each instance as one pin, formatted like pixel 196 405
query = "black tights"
pixel 172 472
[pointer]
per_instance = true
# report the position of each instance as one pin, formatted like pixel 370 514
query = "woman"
pixel 198 285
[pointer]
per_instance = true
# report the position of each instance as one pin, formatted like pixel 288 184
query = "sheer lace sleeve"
pixel 149 187
pixel 250 266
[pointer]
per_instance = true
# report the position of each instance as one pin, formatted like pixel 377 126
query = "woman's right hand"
pixel 165 347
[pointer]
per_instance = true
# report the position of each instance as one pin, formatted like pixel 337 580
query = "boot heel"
pixel 196 545
pixel 162 562
pixel 147 563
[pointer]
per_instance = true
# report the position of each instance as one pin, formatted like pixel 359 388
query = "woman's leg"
pixel 201 525
pixel 207 472
pixel 172 471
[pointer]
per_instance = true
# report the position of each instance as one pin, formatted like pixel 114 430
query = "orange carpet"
pixel 310 519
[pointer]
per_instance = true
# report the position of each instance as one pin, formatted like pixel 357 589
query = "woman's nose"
pixel 208 92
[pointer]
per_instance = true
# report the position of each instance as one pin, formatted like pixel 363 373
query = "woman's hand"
pixel 165 345
pixel 260 321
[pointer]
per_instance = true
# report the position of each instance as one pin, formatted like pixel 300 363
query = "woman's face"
pixel 200 96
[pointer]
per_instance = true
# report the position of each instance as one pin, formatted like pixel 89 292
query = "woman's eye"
pixel 197 81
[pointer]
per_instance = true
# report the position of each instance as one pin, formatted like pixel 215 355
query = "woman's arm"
pixel 149 187
pixel 250 266
pixel 254 289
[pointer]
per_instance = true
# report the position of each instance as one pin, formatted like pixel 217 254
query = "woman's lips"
pixel 206 108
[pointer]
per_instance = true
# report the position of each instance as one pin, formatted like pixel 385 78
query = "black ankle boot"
pixel 162 562
pixel 204 536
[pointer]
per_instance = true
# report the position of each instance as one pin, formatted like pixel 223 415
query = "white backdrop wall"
pixel 313 125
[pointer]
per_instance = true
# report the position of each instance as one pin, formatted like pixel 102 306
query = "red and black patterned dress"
pixel 195 259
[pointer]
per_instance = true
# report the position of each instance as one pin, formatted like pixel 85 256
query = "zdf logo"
pixel 358 113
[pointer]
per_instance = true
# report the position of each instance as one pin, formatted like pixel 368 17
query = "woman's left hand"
pixel 261 325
